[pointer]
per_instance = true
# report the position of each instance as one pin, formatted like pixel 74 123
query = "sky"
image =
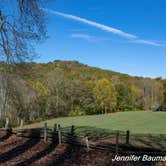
pixel 121 35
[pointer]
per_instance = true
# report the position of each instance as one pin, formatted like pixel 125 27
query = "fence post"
pixel 59 135
pixel 21 123
pixel 72 130
pixel 117 143
pixel 57 126
pixel 54 128
pixel 127 137
pixel 87 143
pixel 7 124
pixel 45 132
pixel 18 121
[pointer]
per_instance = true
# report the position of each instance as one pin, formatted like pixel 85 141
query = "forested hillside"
pixel 66 88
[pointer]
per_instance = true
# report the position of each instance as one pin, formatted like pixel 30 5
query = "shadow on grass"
pixel 94 132
pixel 145 139
pixel 150 140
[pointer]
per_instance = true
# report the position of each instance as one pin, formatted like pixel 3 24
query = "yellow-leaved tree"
pixel 105 95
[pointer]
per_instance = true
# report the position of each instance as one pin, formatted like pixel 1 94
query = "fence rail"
pixel 116 142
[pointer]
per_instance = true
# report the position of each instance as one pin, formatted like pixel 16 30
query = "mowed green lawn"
pixel 136 122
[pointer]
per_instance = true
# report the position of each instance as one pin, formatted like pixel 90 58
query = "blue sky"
pixel 121 35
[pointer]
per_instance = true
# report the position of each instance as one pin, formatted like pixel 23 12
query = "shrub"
pixel 77 112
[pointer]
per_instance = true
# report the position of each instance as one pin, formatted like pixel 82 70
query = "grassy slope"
pixel 137 122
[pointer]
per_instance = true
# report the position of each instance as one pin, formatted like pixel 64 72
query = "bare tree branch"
pixel 21 31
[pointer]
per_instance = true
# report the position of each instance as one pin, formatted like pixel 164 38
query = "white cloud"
pixel 147 42
pixel 83 36
pixel 131 37
pixel 78 30
pixel 92 23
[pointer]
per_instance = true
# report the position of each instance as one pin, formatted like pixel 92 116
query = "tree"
pixel 19 31
pixel 80 95
pixel 164 93
pixel 19 99
pixel 123 96
pixel 3 95
pixel 152 93
pixel 22 25
pixel 55 100
pixel 135 97
pixel 105 95
pixel 23 98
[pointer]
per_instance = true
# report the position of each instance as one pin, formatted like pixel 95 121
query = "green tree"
pixel 123 97
pixel 135 97
pixel 105 95
pixel 164 93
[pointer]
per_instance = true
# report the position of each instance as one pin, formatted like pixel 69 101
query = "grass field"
pixel 136 122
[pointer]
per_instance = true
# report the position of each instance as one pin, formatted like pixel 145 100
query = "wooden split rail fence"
pixel 58 135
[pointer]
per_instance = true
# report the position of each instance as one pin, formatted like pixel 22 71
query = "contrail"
pixel 92 23
pixel 147 42
pixel 131 37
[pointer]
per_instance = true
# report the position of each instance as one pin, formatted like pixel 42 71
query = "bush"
pixel 77 112
pixel 161 108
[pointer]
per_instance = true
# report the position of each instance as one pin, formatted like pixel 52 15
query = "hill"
pixel 67 88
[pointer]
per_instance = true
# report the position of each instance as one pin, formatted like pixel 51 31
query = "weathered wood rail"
pixel 59 135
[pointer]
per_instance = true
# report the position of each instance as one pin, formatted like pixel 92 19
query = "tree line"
pixel 67 88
